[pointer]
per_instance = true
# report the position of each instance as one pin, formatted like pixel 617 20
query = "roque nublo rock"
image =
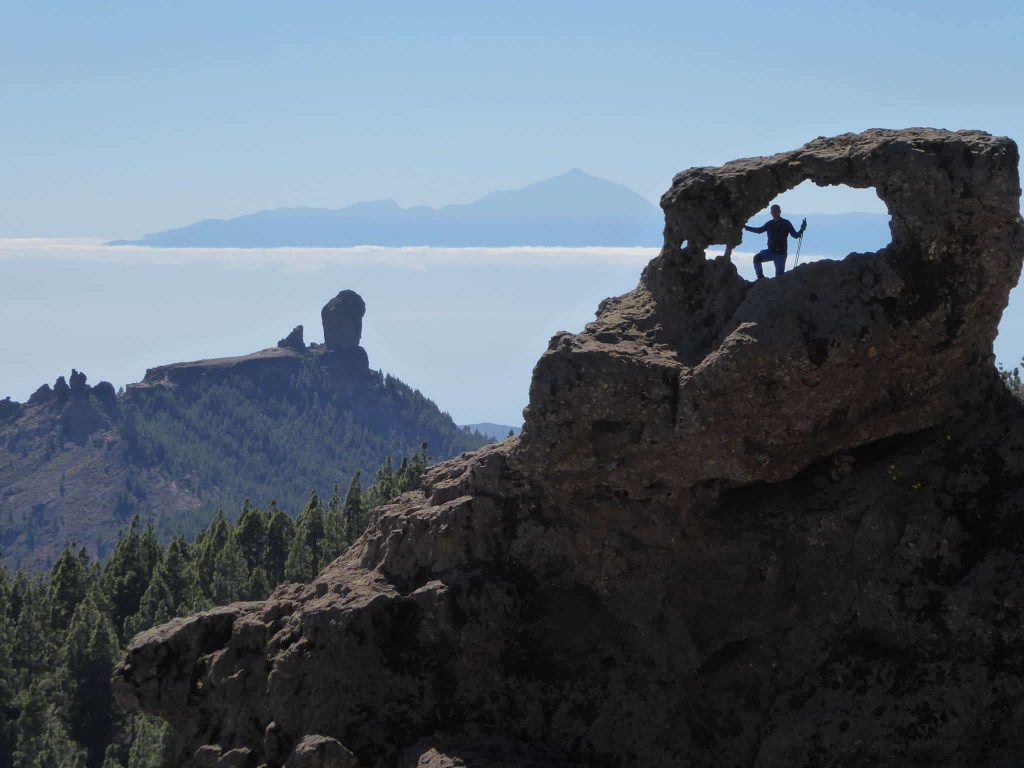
pixel 343 320
pixel 772 524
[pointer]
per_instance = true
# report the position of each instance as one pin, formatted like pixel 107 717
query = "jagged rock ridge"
pixel 770 524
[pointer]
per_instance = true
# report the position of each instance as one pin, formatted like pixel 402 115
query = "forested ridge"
pixel 232 439
pixel 77 462
pixel 61 633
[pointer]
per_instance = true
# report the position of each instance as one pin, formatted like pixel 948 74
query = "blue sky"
pixel 123 118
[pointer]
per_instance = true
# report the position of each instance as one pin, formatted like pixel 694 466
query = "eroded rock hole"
pixel 840 220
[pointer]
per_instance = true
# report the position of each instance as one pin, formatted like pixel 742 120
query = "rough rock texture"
pixel 342 317
pixel 773 524
pixel 320 752
pixel 293 340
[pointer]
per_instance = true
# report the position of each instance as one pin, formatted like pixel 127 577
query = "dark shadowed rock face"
pixel 775 524
pixel 342 317
pixel 293 340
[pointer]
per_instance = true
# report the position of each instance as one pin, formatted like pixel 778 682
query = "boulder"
pixel 772 524
pixel 343 320
pixel 320 752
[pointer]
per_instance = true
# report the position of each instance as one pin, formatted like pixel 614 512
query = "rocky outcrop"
pixel 275 367
pixel 342 317
pixel 772 524
pixel 9 409
pixel 293 340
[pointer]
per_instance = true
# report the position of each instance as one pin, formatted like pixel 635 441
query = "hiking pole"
pixel 799 243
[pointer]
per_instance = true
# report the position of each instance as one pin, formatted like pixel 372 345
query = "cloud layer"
pixel 38 250
pixel 82 251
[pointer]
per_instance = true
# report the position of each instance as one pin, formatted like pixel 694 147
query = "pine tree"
pixel 156 607
pixel 88 657
pixel 42 740
pixel 69 581
pixel 311 519
pixel 280 531
pixel 7 682
pixel 208 548
pixel 110 759
pixel 301 563
pixel 410 473
pixel 251 532
pixel 384 486
pixel 353 511
pixel 33 643
pixel 177 574
pixel 150 743
pixel 30 728
pixel 258 586
pixel 335 539
pixel 128 571
pixel 230 577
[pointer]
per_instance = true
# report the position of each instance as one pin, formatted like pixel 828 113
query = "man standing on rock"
pixel 779 230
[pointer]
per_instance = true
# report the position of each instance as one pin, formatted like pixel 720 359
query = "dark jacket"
pixel 778 230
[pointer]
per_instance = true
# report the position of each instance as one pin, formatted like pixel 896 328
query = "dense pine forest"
pixel 61 633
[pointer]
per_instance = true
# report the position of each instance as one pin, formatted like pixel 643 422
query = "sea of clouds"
pixel 465 325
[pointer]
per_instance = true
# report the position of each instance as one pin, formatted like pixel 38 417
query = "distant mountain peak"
pixel 574 208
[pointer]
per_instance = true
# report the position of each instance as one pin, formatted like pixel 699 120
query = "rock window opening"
pixel 840 220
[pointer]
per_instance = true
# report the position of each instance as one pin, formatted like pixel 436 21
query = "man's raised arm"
pixel 756 230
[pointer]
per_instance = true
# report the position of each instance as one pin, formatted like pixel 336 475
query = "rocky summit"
pixel 747 524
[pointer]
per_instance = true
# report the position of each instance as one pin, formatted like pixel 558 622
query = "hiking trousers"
pixel 766 255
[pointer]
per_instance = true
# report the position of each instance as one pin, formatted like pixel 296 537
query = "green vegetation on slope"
pixel 76 467
pixel 61 634
pixel 231 439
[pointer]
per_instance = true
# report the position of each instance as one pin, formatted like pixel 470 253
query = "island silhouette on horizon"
pixel 574 209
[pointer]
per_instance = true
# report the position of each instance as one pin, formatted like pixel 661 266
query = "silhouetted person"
pixel 779 231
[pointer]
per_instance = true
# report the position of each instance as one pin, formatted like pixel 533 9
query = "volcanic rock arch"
pixel 769 525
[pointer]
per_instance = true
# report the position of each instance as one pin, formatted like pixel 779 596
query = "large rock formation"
pixel 276 366
pixel 342 317
pixel 771 524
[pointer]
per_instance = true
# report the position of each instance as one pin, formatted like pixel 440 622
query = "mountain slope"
pixel 76 462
